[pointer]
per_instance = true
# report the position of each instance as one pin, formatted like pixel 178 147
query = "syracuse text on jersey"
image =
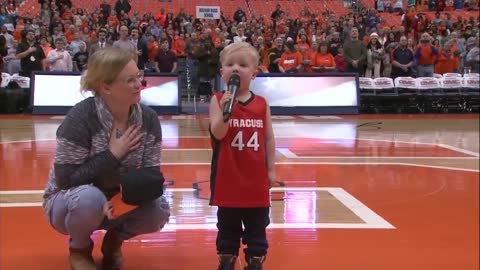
pixel 248 123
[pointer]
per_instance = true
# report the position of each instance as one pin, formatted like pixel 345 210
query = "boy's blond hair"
pixel 240 46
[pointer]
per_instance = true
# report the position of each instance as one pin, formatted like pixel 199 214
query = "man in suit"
pixel 101 43
pixel 141 45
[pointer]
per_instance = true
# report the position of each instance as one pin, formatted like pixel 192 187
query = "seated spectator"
pixel 323 60
pixel 291 60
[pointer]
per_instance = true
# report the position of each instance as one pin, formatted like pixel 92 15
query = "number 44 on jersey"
pixel 252 142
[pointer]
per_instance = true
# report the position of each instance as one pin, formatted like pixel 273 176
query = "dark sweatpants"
pixel 230 230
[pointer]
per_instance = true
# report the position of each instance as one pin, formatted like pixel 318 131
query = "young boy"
pixel 242 163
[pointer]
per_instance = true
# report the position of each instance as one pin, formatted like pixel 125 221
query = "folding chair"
pixel 407 90
pixel 452 93
pixel 471 92
pixel 387 95
pixel 428 88
pixel 367 93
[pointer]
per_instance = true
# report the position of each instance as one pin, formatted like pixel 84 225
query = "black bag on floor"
pixel 12 98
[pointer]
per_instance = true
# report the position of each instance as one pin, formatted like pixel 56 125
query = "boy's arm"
pixel 218 128
pixel 270 147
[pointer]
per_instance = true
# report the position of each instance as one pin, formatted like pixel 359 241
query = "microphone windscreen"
pixel 234 80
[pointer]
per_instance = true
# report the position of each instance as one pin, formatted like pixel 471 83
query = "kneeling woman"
pixel 102 139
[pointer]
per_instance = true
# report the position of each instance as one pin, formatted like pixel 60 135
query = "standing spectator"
pixel 80 59
pixel 30 54
pixel 355 53
pixel 339 59
pixel 105 8
pixel 276 15
pixel 207 67
pixel 239 15
pixel 59 59
pixel 165 61
pixel 122 6
pixel 274 56
pixel 140 47
pixel 425 56
pixel 446 62
pixel 101 43
pixel 323 60
pixel 472 58
pixel 375 57
pixel 402 60
pixel 125 44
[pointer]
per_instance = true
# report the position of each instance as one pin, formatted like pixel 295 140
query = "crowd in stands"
pixel 62 36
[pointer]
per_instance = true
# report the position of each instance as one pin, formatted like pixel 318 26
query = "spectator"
pixel 274 56
pixel 402 60
pixel 323 60
pixel 375 57
pixel 59 59
pixel 355 53
pixel 339 59
pixel 165 61
pixel 425 56
pixel 80 59
pixel 291 60
pixel 101 43
pixel 30 54
pixel 125 44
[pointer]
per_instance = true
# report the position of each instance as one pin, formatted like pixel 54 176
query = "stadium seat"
pixel 471 92
pixel 429 95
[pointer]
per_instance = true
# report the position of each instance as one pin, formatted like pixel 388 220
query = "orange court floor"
pixel 373 192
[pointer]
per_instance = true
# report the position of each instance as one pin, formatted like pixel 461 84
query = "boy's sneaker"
pixel 255 263
pixel 226 262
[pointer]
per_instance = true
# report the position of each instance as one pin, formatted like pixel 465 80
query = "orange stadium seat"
pixel 258 7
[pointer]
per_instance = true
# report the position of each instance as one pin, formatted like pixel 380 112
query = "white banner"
pixel 208 12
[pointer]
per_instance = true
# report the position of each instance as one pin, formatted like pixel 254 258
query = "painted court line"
pixel 370 218
pixel 379 163
pixel 288 153
pixel 360 209
pixel 450 147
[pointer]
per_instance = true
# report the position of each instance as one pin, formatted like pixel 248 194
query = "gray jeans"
pixel 78 212
pixel 425 71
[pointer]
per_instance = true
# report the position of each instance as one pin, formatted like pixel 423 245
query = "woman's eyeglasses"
pixel 132 80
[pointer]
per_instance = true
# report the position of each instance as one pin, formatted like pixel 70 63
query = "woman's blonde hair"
pixel 239 46
pixel 103 68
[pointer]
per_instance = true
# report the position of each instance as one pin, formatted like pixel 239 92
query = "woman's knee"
pixel 86 202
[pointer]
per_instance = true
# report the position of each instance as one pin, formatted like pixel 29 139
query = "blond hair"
pixel 103 68
pixel 239 46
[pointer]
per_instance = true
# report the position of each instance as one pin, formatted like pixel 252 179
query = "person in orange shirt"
pixel 425 55
pixel 179 45
pixel 446 62
pixel 291 60
pixel 302 44
pixel 323 60
pixel 309 55
pixel 46 47
pixel 153 47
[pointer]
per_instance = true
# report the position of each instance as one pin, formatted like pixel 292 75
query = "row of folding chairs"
pixel 448 92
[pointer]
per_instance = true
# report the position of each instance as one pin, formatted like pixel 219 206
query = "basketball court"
pixel 376 192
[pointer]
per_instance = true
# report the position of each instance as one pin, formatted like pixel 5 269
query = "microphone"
pixel 233 85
